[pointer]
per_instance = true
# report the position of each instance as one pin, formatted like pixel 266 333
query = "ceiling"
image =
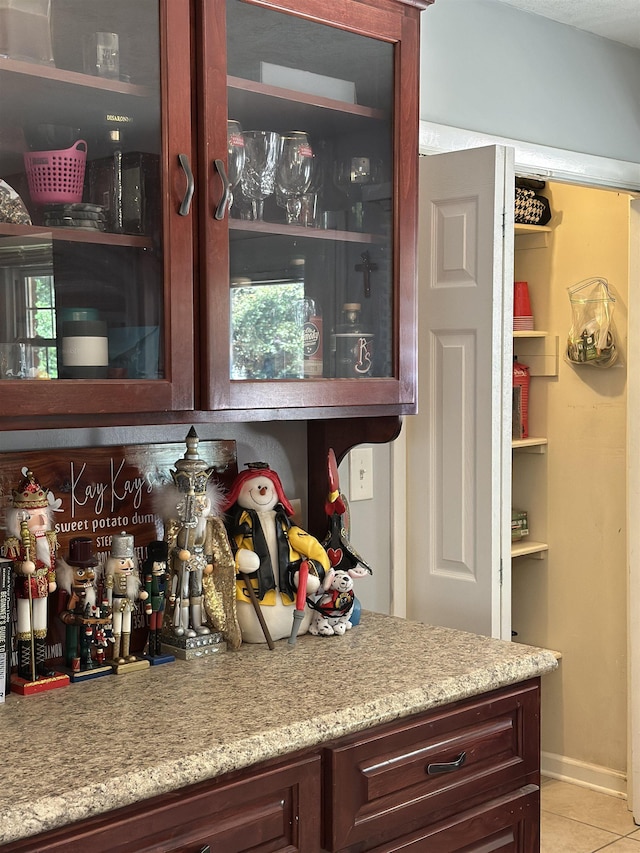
pixel 618 20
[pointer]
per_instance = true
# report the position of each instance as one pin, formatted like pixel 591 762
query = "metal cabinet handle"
pixel 205 849
pixel 186 201
pixel 448 766
pixel 226 190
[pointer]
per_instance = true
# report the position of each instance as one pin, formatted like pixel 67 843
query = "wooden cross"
pixel 366 268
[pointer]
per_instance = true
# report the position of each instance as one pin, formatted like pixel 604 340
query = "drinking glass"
pixel 294 171
pixel 261 152
pixel 235 155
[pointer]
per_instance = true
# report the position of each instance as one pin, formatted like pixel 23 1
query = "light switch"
pixel 361 474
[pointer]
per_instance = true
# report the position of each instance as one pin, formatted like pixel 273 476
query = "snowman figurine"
pixel 269 553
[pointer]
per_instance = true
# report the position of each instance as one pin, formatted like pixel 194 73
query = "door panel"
pixel 458 446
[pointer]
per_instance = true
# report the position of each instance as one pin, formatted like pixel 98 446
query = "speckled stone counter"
pixel 92 747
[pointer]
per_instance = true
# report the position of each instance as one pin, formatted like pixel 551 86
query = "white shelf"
pixel 532 444
pixel 521 228
pixel 529 548
pixel 531 236
pixel 539 351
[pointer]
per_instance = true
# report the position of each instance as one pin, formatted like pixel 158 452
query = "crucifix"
pixel 366 268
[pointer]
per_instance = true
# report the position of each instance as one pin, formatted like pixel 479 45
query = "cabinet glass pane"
pixel 310 159
pixel 81 271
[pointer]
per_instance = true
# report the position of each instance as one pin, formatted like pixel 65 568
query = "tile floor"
pixel 579 820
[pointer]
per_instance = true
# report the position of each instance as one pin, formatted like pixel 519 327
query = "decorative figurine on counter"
pixel 271 554
pixel 154 578
pixel 332 612
pixel 329 619
pixel 341 552
pixel 88 625
pixel 32 545
pixel 201 565
pixel 122 583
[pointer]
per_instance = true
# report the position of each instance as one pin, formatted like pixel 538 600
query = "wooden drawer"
pixel 407 775
pixel 276 809
pixel 506 824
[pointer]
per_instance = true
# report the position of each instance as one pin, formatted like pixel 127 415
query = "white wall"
pixel 575 599
pixel 370 532
pixel 488 67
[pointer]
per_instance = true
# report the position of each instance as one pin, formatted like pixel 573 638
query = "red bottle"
pixel 521 398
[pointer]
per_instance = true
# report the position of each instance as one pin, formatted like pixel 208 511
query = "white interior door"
pixel 459 445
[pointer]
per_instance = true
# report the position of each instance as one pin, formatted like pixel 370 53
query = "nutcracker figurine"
pixel 123 586
pixel 88 625
pixel 32 546
pixel 155 575
pixel 201 565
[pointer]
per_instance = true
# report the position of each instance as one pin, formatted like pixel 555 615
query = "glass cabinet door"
pixel 311 171
pixel 85 203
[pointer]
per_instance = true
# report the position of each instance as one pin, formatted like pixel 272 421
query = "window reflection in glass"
pixel 266 329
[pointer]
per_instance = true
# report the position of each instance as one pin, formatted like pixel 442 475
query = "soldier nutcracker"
pixel 32 545
pixel 87 624
pixel 123 587
pixel 155 577
pixel 201 565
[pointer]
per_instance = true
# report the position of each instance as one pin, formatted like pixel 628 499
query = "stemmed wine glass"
pixel 235 155
pixel 261 152
pixel 294 172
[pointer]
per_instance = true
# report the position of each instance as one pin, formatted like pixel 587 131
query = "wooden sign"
pixel 102 491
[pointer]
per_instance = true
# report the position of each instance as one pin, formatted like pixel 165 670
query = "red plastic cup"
pixel 521 302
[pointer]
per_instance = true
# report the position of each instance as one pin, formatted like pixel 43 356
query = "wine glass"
pixel 261 152
pixel 235 155
pixel 294 171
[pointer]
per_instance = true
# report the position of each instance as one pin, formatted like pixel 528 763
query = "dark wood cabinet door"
pixel 96 271
pixel 274 811
pixel 346 75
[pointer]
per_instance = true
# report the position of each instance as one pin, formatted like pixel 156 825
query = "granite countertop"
pixel 95 746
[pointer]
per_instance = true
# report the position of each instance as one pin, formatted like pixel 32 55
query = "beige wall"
pixel 575 599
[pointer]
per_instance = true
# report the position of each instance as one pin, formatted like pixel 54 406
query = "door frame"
pixel 633 534
pixel 587 170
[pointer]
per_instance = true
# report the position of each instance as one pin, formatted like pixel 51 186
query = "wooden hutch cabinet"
pixel 153 267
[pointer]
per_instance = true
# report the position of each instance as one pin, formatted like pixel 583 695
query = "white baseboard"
pixel 592 776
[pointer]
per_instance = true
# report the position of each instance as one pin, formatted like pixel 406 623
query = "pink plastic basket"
pixel 56 177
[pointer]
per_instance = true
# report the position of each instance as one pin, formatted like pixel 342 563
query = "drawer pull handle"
pixel 186 201
pixel 226 190
pixel 206 849
pixel 447 767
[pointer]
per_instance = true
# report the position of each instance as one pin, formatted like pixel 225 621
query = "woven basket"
pixel 529 209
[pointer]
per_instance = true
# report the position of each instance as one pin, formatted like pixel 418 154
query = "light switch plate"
pixel 361 474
